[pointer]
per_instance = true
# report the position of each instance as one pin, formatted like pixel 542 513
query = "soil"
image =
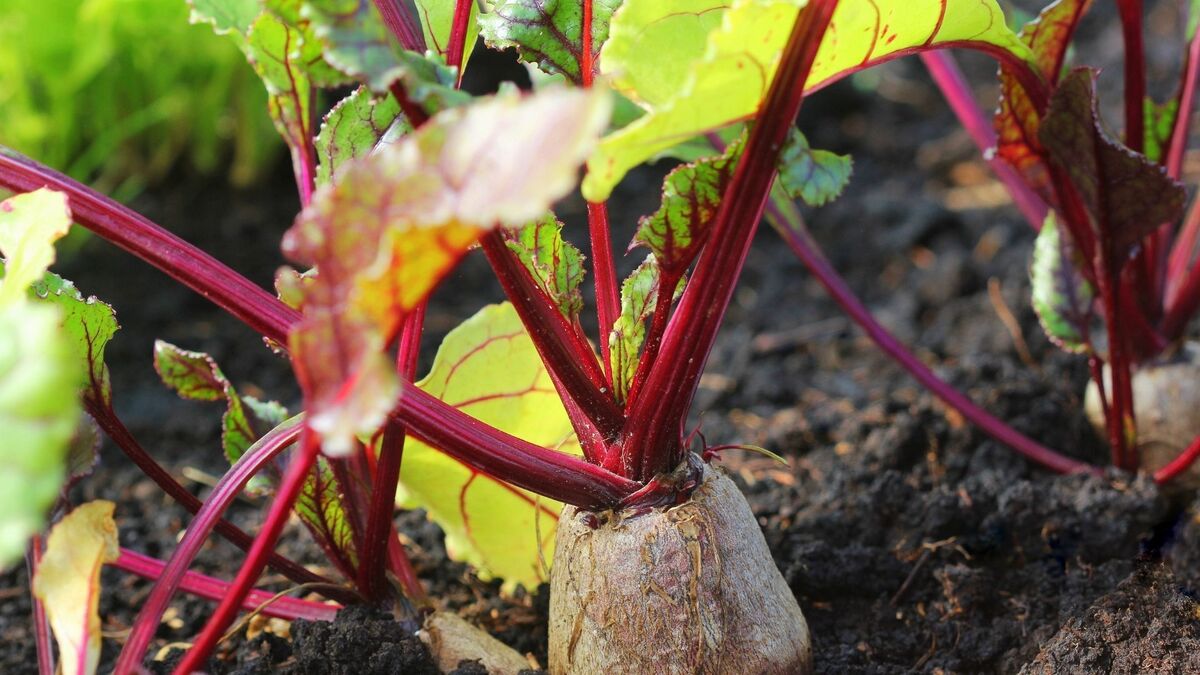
pixel 913 542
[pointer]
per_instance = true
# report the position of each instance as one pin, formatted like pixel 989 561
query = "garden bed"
pixel 912 541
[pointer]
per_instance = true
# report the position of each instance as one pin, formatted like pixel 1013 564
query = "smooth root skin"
pixel 1166 403
pixel 689 589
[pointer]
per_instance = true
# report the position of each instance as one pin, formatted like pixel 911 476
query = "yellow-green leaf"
pixel 68 582
pixel 691 81
pixel 437 17
pixel 30 223
pixel 395 223
pixel 488 368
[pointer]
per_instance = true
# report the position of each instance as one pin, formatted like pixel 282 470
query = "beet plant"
pixel 658 562
pixel 1113 273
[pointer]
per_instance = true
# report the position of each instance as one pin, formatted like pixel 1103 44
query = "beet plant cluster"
pixel 536 446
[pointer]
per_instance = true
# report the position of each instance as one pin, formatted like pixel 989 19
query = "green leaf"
pixel 488 368
pixel 437 18
pixel 30 223
pixel 1062 296
pixel 556 265
pixel 1127 195
pixel 321 505
pixel 548 33
pixel 226 16
pixel 195 376
pixel 691 195
pixel 39 409
pixel 1160 122
pixel 706 85
pixel 399 219
pixel 815 176
pixel 68 582
pixel 639 297
pixel 88 324
pixel 279 55
pixel 354 127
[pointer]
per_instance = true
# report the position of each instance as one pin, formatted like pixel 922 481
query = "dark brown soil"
pixel 912 541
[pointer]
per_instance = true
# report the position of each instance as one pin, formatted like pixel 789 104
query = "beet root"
pixel 1166 403
pixel 686 589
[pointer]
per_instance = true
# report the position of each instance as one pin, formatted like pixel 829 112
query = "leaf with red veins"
pixel 691 195
pixel 639 297
pixel 548 33
pixel 354 127
pixel 321 506
pixel 556 265
pixel 488 368
pixel 1017 120
pixel 399 219
pixel 1126 194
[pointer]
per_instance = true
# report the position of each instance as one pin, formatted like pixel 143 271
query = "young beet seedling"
pixel 659 565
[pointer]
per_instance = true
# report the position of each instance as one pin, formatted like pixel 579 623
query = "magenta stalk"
pixel 180 260
pixel 227 489
pixel 950 80
pixel 604 273
pixel 302 462
pixel 41 624
pixel 402 25
pixel 783 215
pixel 283 607
pixel 547 472
pixel 653 435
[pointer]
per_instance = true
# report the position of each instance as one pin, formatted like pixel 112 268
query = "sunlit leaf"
pixel 816 177
pixel 547 33
pixel 1062 296
pixel 1017 120
pixel 68 582
pixel 398 220
pixel 39 409
pixel 437 18
pixel 226 16
pixel 30 223
pixel 691 195
pixel 556 265
pixel 639 295
pixel 88 324
pixel 1127 195
pixel 725 78
pixel 354 127
pixel 39 375
pixel 488 368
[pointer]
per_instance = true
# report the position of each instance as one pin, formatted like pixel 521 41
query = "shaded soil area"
pixel 912 541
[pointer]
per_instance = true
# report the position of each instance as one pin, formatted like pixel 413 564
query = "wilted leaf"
pixel 725 78
pixel 814 176
pixel 398 220
pixel 354 127
pixel 639 296
pixel 1127 195
pixel 1017 119
pixel 437 18
pixel 1062 296
pixel 68 582
pixel 691 195
pixel 548 33
pixel 556 265
pixel 488 368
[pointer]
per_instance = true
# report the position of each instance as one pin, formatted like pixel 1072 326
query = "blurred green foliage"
pixel 116 92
